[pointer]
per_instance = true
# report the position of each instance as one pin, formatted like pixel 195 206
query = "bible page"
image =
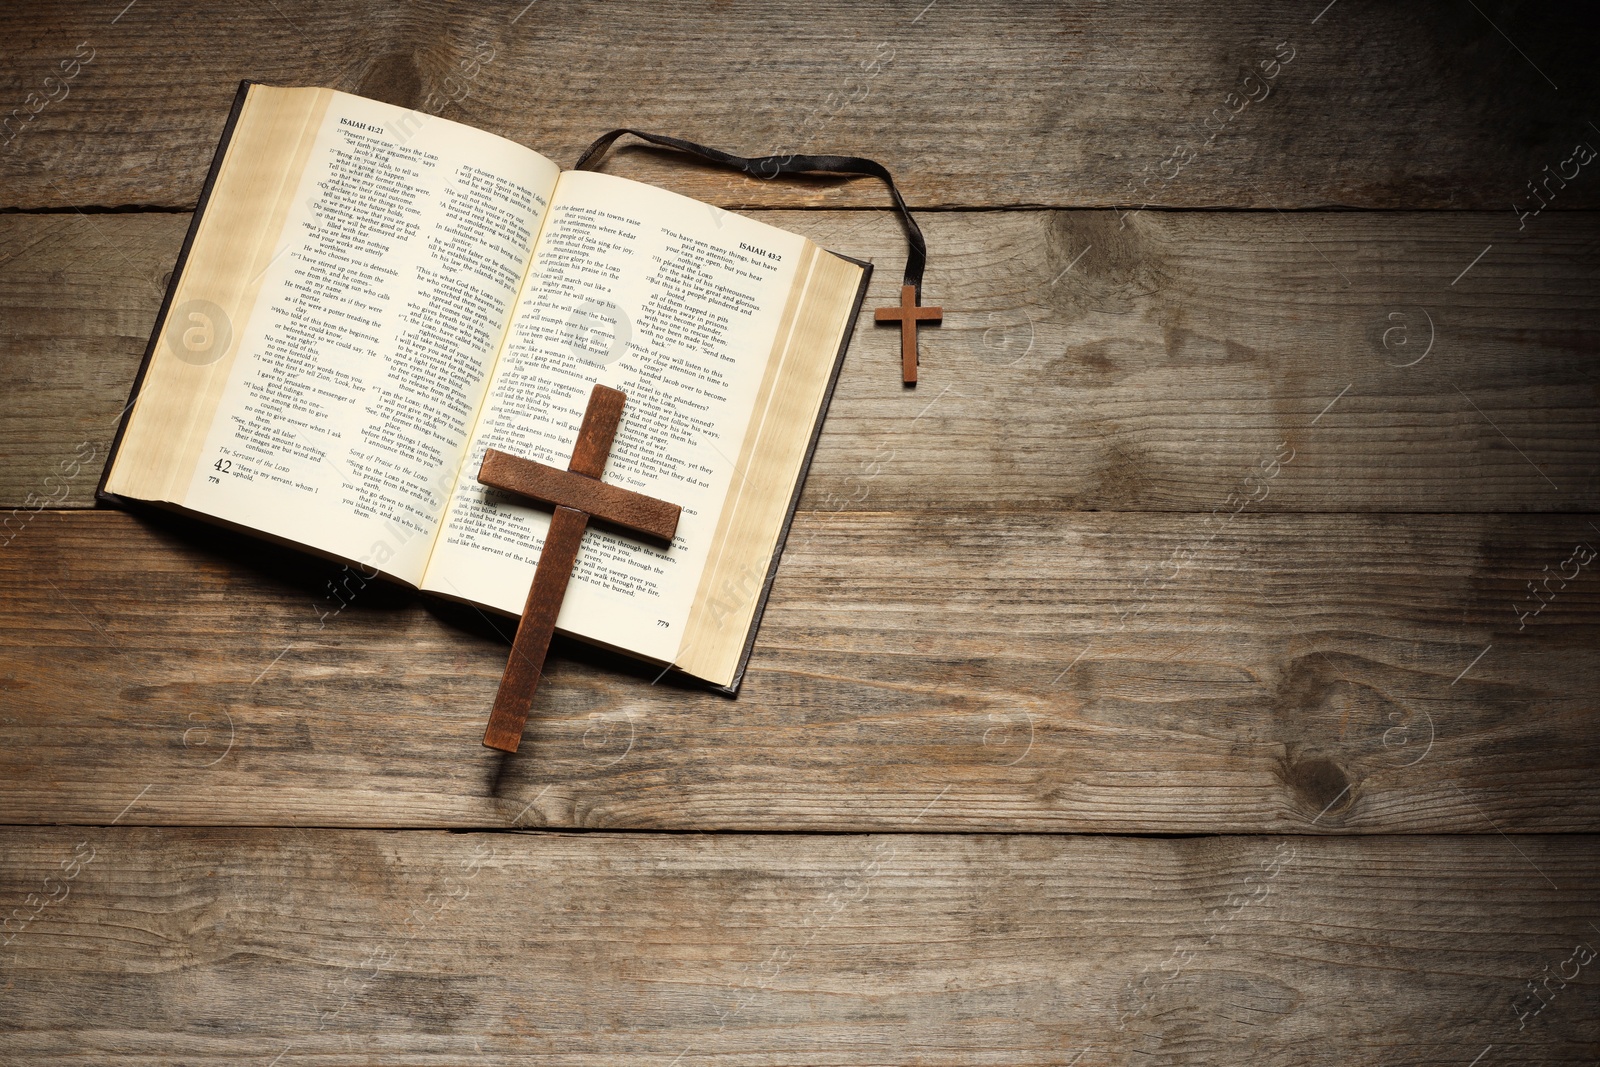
pixel 365 357
pixel 680 305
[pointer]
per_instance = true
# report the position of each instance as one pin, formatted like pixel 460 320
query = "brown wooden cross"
pixel 908 314
pixel 578 495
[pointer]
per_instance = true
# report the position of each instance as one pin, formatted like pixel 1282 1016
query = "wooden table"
pixel 1160 682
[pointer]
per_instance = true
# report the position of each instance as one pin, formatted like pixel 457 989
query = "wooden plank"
pixel 207 946
pixel 1011 671
pixel 1162 363
pixel 1017 103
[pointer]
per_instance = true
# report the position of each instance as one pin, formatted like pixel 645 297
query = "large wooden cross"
pixel 908 314
pixel 578 495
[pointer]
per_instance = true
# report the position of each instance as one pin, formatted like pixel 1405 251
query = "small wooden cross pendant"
pixel 578 495
pixel 908 314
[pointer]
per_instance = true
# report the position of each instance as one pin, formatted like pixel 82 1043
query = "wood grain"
pixel 1028 671
pixel 1008 104
pixel 331 947
pixel 1161 362
pixel 1200 523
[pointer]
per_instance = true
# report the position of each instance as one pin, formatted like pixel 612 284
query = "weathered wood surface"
pixel 979 625
pixel 996 671
pixel 1161 362
pixel 335 947
pixel 1017 103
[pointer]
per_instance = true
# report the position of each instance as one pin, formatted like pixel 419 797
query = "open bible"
pixel 369 298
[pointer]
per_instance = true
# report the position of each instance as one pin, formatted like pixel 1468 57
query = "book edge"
pixel 731 690
pixel 100 493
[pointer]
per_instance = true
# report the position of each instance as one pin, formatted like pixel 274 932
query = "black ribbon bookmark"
pixel 909 312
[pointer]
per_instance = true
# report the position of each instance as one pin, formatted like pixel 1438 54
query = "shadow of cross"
pixel 578 495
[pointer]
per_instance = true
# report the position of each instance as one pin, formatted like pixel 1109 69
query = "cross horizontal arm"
pixel 605 502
